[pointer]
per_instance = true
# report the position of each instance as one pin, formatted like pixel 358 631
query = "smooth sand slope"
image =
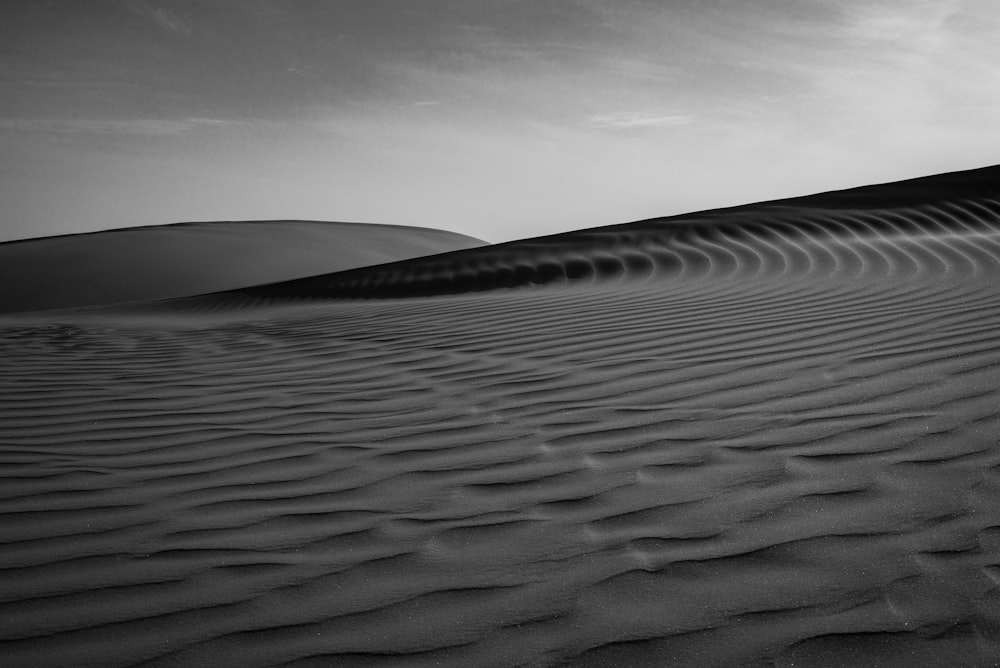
pixel 765 435
pixel 164 261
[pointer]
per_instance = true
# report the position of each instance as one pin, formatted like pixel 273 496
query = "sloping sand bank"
pixel 766 435
pixel 163 261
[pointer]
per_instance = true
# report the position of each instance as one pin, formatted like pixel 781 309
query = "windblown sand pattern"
pixel 765 435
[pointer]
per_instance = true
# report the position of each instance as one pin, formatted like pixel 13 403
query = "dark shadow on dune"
pixel 959 203
pixel 165 261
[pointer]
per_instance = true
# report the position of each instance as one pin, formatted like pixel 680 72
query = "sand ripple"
pixel 901 231
pixel 759 436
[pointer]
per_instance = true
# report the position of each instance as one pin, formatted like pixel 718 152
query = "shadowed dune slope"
pixel 192 258
pixel 760 238
pixel 761 436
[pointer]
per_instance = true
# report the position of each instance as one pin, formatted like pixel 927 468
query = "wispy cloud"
pixel 131 127
pixel 915 23
pixel 910 69
pixel 165 19
pixel 628 120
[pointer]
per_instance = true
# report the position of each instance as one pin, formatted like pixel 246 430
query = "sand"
pixel 764 435
pixel 162 261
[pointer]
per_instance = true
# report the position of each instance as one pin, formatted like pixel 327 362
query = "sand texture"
pixel 162 261
pixel 766 435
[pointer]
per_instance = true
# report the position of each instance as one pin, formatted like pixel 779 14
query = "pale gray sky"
pixel 499 119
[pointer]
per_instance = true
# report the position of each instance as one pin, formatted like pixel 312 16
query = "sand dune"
pixel 818 235
pixel 764 435
pixel 163 261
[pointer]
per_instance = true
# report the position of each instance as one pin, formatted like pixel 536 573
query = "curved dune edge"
pixel 736 466
pixel 915 225
pixel 165 261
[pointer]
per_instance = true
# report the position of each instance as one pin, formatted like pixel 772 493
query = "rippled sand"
pixel 765 435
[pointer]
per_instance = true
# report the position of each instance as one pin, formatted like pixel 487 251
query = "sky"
pixel 500 119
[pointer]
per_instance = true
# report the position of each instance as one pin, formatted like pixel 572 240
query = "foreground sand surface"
pixel 163 261
pixel 765 435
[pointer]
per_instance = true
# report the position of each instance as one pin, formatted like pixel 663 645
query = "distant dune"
pixel 764 435
pixel 163 261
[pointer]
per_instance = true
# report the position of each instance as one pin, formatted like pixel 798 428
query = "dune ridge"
pixel 860 228
pixel 165 261
pixel 772 444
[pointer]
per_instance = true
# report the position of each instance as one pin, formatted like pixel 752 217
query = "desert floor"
pixel 765 435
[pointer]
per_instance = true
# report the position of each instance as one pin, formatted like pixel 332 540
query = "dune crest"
pixel 163 261
pixel 759 436
pixel 896 229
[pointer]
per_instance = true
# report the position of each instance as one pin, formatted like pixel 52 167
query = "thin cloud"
pixel 163 18
pixel 131 127
pixel 627 120
pixel 917 24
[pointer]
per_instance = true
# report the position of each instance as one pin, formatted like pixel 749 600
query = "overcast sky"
pixel 500 119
